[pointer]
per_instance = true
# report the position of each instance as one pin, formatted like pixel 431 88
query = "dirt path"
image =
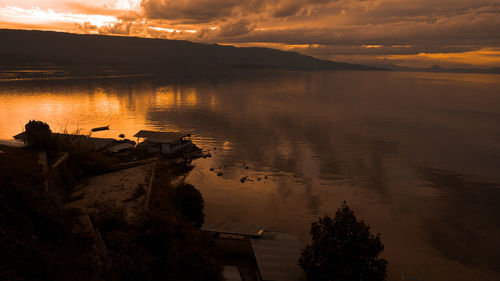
pixel 123 188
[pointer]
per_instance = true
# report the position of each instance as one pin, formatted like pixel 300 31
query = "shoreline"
pixel 58 225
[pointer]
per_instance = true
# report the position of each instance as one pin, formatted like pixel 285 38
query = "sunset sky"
pixel 421 33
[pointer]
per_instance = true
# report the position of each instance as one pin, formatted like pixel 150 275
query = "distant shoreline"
pixel 48 48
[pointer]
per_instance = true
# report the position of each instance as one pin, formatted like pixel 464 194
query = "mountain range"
pixel 48 48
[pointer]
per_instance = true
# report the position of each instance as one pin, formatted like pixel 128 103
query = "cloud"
pixel 204 11
pixel 333 29
pixel 328 29
pixel 235 28
pixel 83 8
pixel 469 30
pixel 118 28
pixel 194 11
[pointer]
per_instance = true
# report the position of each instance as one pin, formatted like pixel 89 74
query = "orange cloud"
pixel 486 57
pixel 410 32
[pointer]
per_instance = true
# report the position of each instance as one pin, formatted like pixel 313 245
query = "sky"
pixel 417 33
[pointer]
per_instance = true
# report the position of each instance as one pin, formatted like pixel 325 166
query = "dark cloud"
pixel 203 11
pixel 189 10
pixel 323 28
pixel 462 32
pixel 296 7
pixel 236 28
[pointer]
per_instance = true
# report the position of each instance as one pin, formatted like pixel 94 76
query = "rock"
pixel 121 136
pixel 247 167
pixel 212 169
pixel 244 179
pixel 219 174
pixel 258 179
pixel 265 177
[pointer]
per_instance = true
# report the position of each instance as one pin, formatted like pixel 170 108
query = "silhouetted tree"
pixel 188 200
pixel 343 249
pixel 38 134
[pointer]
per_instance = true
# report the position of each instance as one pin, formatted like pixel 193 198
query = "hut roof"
pixel 161 137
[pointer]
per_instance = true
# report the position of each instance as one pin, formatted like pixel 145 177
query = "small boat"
pixel 103 128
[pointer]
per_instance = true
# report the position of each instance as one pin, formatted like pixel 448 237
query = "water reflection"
pixel 463 230
pixel 396 146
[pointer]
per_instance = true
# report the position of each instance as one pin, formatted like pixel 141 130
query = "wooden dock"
pixel 274 255
pixel 277 256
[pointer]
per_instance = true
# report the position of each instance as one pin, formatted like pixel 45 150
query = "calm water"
pixel 416 155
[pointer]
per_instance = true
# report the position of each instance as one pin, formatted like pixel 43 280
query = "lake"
pixel 415 155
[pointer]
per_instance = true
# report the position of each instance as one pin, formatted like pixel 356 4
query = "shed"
pixel 166 142
pixel 161 137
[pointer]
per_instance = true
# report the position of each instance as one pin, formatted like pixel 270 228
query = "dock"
pixel 258 255
pixel 277 256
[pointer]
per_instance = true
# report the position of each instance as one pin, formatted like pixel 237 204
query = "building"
pixel 162 142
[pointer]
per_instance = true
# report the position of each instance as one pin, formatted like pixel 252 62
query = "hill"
pixel 439 69
pixel 29 47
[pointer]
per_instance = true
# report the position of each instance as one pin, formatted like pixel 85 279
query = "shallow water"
pixel 416 155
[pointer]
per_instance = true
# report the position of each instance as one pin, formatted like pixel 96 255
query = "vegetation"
pixel 189 202
pixel 165 243
pixel 78 51
pixel 343 249
pixel 36 238
pixel 84 160
pixel 38 135
pixel 39 240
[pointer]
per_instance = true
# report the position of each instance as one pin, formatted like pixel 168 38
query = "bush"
pixel 108 217
pixel 188 200
pixel 84 160
pixel 343 249
pixel 178 251
pixel 38 135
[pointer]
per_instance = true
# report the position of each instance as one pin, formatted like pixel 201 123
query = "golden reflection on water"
pixel 69 109
pixel 406 150
pixel 66 112
pixel 167 97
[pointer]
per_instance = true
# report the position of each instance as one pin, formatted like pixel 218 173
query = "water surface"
pixel 416 155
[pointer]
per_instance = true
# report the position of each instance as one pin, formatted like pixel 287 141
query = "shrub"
pixel 108 217
pixel 38 135
pixel 343 249
pixel 84 160
pixel 188 200
pixel 177 250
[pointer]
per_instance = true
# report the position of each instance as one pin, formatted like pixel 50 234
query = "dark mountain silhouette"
pixel 24 47
pixel 437 68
